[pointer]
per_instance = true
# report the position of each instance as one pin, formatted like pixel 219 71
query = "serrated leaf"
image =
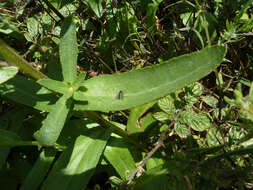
pixel 192 94
pixel 161 116
pixel 181 129
pixel 39 170
pixel 68 50
pixel 198 122
pixel 53 124
pixel 120 158
pixel 77 163
pixel 210 100
pixel 214 137
pixel 54 85
pixel 167 104
pixel 139 87
pixel 7 73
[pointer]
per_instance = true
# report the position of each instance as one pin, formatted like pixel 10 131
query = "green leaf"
pixel 96 6
pixel 198 122
pixel 21 90
pixel 161 116
pixel 167 105
pixel 77 163
pixel 120 158
pixel 210 100
pixel 135 114
pixel 181 129
pixel 56 86
pixel 214 137
pixel 53 124
pixel 39 170
pixel 157 178
pixel 68 50
pixel 8 136
pixel 145 85
pixel 7 72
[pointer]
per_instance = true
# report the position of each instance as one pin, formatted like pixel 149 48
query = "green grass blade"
pixel 144 85
pixel 77 163
pixel 53 124
pixel 68 50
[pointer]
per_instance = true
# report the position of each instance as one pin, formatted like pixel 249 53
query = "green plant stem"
pixel 13 58
pixel 19 143
pixel 107 124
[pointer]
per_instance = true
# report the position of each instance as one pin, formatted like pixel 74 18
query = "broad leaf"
pixel 120 158
pixel 77 163
pixel 53 124
pixel 145 85
pixel 198 122
pixel 39 170
pixel 181 129
pixel 68 50
pixel 7 72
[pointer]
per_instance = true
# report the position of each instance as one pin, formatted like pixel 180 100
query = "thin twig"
pixel 50 6
pixel 158 144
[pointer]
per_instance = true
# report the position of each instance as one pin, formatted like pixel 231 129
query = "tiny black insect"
pixel 120 95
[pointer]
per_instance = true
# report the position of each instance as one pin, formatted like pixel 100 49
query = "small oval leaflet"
pixel 120 95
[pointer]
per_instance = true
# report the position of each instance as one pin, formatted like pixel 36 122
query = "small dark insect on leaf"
pixel 120 95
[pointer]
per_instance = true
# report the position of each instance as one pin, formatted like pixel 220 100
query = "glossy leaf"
pixel 68 50
pixel 53 124
pixel 7 72
pixel 21 90
pixel 120 158
pixel 39 170
pixel 77 163
pixel 54 85
pixel 145 85
pixel 136 113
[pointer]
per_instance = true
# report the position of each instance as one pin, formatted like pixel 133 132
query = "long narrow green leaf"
pixel 127 90
pixel 53 124
pixel 13 58
pixel 120 158
pixel 78 162
pixel 39 170
pixel 27 92
pixel 54 85
pixel 7 72
pixel 68 50
pixel 96 6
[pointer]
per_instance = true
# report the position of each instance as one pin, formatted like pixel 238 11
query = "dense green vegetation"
pixel 123 94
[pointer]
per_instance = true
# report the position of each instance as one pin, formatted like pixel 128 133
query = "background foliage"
pixel 79 110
